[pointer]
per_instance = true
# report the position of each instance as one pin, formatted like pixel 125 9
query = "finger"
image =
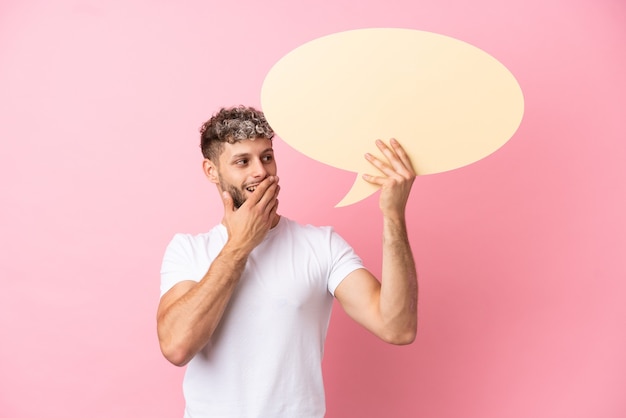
pixel 274 209
pixel 397 164
pixel 380 181
pixel 381 166
pixel 261 189
pixel 227 199
pixel 392 175
pixel 265 192
pixel 269 198
pixel 401 153
pixel 386 150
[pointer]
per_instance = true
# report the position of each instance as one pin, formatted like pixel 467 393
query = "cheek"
pixel 233 181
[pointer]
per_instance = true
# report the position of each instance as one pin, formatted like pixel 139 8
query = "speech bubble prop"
pixel 447 102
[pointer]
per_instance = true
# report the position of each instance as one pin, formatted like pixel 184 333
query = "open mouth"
pixel 252 188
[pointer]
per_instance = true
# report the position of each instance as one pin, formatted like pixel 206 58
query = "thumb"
pixel 228 201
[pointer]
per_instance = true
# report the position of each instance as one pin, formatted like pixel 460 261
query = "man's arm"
pixel 387 309
pixel 189 313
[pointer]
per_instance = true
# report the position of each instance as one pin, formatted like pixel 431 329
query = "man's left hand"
pixel 397 180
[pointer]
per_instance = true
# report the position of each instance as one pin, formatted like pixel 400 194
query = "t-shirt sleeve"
pixel 344 261
pixel 177 262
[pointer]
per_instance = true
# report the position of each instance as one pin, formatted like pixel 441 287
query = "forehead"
pixel 253 146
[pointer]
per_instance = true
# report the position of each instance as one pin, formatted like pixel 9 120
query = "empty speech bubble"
pixel 447 102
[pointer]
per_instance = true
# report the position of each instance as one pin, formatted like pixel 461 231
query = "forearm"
pixel 188 321
pixel 398 294
pixel 190 312
pixel 389 308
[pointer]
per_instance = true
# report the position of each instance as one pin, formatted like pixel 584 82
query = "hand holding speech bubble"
pixel 447 102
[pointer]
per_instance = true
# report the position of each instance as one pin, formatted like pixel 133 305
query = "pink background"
pixel 521 255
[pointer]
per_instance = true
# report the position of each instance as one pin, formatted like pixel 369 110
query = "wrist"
pixel 395 217
pixel 236 252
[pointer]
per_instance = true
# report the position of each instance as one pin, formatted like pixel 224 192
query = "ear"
pixel 210 171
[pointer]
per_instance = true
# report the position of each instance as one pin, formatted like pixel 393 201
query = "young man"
pixel 247 304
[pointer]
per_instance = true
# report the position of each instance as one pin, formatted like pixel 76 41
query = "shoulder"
pixel 182 243
pixel 188 256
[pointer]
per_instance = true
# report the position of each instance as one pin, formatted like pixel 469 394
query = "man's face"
pixel 243 165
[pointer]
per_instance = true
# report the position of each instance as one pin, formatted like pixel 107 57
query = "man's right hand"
pixel 248 225
pixel 190 311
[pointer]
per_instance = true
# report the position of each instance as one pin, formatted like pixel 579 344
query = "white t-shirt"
pixel 264 359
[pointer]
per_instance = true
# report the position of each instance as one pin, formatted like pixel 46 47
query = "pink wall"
pixel 521 255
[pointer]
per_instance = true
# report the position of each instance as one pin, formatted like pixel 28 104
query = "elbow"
pixel 174 346
pixel 176 355
pixel 406 339
pixel 400 338
pixel 404 335
pixel 174 349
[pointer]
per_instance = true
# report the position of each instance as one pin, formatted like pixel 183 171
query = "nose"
pixel 259 171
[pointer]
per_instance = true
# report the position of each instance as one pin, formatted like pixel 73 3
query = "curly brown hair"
pixel 230 125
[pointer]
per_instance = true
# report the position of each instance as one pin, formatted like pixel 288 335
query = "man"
pixel 247 304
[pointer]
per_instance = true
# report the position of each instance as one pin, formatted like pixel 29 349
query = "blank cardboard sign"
pixel 447 102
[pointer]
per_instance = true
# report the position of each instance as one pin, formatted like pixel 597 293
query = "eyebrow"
pixel 247 154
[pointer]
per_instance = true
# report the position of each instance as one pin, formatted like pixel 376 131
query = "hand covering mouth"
pixel 252 188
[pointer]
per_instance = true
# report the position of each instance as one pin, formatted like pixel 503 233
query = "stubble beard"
pixel 237 195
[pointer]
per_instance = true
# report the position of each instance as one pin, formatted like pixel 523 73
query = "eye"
pixel 242 161
pixel 267 158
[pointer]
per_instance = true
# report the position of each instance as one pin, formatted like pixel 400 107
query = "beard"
pixel 238 196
